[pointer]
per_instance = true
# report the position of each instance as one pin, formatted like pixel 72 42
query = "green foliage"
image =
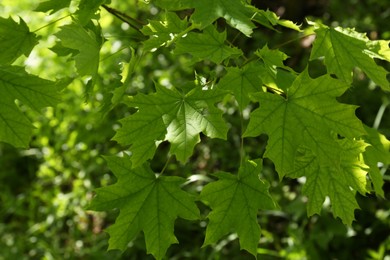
pixel 138 191
pixel 235 201
pixel 196 92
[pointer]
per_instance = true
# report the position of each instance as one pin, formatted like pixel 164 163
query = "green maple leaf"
pixel 15 40
pixel 377 152
pixel 53 5
pixel 269 19
pixel 209 45
pixel 76 37
pixel 32 91
pixel 236 13
pixel 307 115
pixel 162 32
pixel 339 179
pixel 345 49
pixel 173 116
pixel 87 10
pixel 242 82
pixel 147 203
pixel 173 5
pixel 235 201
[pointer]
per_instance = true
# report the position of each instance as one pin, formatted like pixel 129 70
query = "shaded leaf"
pixel 235 201
pixel 32 91
pixel 147 203
pixel 52 6
pixel 15 40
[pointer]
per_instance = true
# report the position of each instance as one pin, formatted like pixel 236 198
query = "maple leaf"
pixel 173 5
pixel 32 91
pixel 87 9
pixel 235 201
pixel 345 49
pixel 307 115
pixel 236 13
pixel 242 82
pixel 16 39
pixel 377 152
pixel 209 45
pixel 53 5
pixel 147 203
pixel 339 179
pixel 173 116
pixel 76 37
pixel 162 32
pixel 269 19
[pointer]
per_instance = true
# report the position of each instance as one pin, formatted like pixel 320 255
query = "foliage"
pixel 199 91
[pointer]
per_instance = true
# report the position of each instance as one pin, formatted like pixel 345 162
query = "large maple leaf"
pixel 307 115
pixel 15 40
pixel 173 116
pixel 30 90
pixel 235 201
pixel 208 45
pixel 147 203
pixel 345 49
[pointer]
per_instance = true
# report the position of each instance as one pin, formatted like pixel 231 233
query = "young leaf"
pixel 53 5
pixel 76 37
pixel 15 40
pixel 377 152
pixel 339 179
pixel 236 13
pixel 33 92
pixel 147 203
pixel 235 201
pixel 161 32
pixel 209 45
pixel 307 116
pixel 172 116
pixel 242 82
pixel 345 49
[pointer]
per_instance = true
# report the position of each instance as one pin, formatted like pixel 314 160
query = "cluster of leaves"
pixel 311 135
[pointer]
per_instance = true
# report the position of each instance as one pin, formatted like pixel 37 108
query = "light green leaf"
pixel 307 115
pixel 87 10
pixel 162 32
pixel 30 90
pixel 242 82
pixel 147 203
pixel 53 5
pixel 377 152
pixel 236 13
pixel 235 201
pixel 345 49
pixel 15 40
pixel 208 45
pixel 84 40
pixel 339 180
pixel 269 19
pixel 173 116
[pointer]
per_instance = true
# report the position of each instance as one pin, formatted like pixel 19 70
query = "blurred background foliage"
pixel 44 190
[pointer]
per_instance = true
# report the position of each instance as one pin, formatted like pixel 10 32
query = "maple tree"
pixel 311 134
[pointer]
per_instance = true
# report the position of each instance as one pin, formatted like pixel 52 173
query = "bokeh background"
pixel 44 190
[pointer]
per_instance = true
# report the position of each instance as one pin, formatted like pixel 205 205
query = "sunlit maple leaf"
pixel 345 49
pixel 207 45
pixel 174 116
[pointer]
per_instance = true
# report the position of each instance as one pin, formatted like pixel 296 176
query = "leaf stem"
pixel 380 113
pixel 242 150
pixel 179 35
pixel 166 165
pixel 53 22
pixel 124 18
